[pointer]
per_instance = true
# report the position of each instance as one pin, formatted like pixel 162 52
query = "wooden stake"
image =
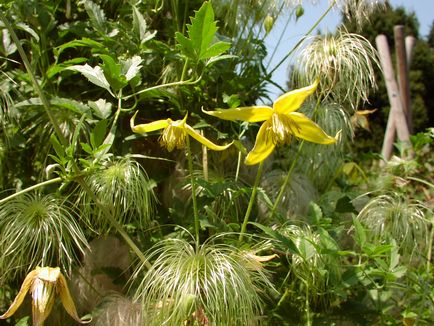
pixel 397 120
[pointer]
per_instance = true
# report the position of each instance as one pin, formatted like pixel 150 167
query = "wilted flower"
pixel 174 133
pixel 345 62
pixel 281 123
pixel 44 283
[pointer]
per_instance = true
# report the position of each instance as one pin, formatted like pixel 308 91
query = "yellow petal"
pixel 148 127
pixel 68 303
pixel 306 129
pixel 201 139
pixel 249 113
pixel 21 295
pixel 263 147
pixel 291 101
pixel 43 295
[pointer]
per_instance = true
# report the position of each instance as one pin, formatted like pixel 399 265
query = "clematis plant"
pixel 281 123
pixel 174 133
pixel 44 283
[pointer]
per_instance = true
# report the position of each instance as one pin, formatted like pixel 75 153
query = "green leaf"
pixel 58 148
pixel 285 241
pixel 201 33
pixel 112 71
pixel 98 133
pixel 101 108
pixel 84 42
pixel 215 50
pixel 94 75
pixel 96 15
pixel 130 67
pixel 140 26
pixel 360 233
pixel 186 45
pixel 6 45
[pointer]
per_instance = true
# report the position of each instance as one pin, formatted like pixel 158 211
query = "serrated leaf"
pixel 96 15
pixel 215 50
pixel 186 45
pixel 112 71
pixel 202 28
pixel 140 26
pixel 94 75
pixel 56 68
pixel 131 67
pixel 101 108
pixel 201 33
pixel 8 46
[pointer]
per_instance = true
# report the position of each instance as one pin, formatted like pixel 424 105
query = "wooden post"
pixel 402 70
pixel 397 120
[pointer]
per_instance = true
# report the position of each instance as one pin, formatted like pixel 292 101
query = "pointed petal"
pixel 308 130
pixel 43 295
pixel 201 139
pixel 68 303
pixel 263 147
pixel 21 295
pixel 291 101
pixel 148 127
pixel 248 113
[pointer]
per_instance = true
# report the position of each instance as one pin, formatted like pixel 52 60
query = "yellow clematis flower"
pixel 281 122
pixel 44 283
pixel 174 133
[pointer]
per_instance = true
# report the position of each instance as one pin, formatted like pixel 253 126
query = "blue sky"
pixel 424 10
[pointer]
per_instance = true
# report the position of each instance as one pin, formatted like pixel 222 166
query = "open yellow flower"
pixel 174 133
pixel 281 122
pixel 44 283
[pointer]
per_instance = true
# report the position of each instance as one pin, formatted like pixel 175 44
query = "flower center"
pixel 281 128
pixel 173 136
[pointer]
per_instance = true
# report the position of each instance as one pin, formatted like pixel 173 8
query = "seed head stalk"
pixel 291 168
pixel 193 191
pixel 251 201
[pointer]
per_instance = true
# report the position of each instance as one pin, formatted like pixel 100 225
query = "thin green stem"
pixel 44 100
pixel 178 83
pixel 193 191
pixel 36 186
pixel 115 223
pixel 252 201
pixel 287 178
pixel 291 168
pixel 303 38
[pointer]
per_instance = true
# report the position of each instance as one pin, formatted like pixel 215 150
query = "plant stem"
pixel 115 223
pixel 291 169
pixel 251 202
pixel 287 178
pixel 35 83
pixel 193 191
pixel 36 186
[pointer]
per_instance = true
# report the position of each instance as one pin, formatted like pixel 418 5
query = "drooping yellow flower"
pixel 44 283
pixel 174 133
pixel 281 122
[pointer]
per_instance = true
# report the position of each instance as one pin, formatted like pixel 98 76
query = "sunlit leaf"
pixel 94 75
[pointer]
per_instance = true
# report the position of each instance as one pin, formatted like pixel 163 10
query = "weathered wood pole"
pixel 402 70
pixel 397 120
